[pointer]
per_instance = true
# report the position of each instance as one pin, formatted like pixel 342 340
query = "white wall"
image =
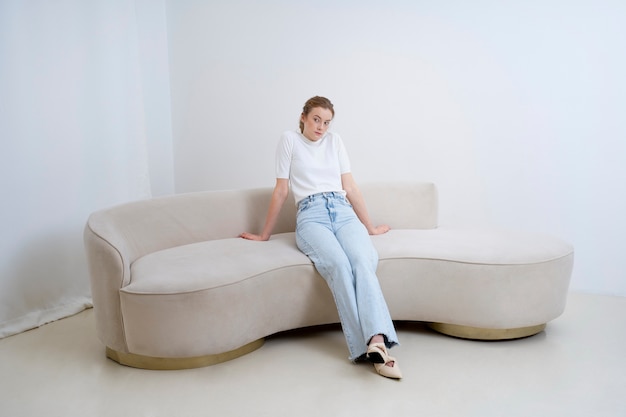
pixel 515 109
pixel 517 112
pixel 74 134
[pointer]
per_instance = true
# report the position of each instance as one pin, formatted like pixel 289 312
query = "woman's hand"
pixel 279 195
pixel 252 236
pixel 353 194
pixel 379 230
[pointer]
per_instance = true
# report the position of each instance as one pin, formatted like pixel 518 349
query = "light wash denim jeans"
pixel 329 232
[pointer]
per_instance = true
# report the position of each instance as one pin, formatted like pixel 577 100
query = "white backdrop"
pixel 73 130
pixel 515 109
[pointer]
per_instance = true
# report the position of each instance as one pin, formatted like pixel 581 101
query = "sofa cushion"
pixel 474 246
pixel 216 263
pixel 212 264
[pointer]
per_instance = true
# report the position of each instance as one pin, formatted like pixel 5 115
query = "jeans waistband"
pixel 326 194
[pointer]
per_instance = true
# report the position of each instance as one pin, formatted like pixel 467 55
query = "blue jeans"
pixel 329 232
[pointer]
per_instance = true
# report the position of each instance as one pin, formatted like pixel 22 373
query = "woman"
pixel 332 229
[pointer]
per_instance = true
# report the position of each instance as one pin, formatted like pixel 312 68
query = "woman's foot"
pixel 389 371
pixel 384 364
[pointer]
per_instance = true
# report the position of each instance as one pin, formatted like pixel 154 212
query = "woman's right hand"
pixel 281 190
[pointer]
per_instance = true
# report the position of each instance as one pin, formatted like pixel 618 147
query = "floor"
pixel 577 367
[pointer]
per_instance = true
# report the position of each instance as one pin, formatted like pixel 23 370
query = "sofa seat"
pixel 251 290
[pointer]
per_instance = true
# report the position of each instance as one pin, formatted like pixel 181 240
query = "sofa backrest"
pixel 138 228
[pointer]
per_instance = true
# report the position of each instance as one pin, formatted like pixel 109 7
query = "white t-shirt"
pixel 311 166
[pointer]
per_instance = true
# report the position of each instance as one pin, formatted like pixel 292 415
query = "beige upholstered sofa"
pixel 174 287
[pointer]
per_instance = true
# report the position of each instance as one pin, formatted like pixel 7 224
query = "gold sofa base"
pixel 464 332
pixel 150 362
pixel 477 333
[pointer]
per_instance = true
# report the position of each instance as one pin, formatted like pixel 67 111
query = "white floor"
pixel 577 367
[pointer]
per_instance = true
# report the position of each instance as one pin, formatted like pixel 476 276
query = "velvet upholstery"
pixel 171 279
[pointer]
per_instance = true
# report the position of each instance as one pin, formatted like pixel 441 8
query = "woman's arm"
pixel 353 195
pixel 279 195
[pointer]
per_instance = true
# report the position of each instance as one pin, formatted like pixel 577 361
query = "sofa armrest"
pixel 109 271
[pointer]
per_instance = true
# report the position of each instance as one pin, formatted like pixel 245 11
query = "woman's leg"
pixel 321 246
pixel 376 323
pixel 371 305
pixel 331 235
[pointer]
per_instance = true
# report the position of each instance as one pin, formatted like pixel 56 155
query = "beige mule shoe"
pixel 385 370
pixel 377 354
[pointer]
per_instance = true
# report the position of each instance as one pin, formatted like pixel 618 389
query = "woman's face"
pixel 316 123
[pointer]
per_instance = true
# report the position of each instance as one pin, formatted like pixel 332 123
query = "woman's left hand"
pixel 252 236
pixel 379 230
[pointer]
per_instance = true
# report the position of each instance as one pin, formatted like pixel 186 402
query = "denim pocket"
pixel 344 201
pixel 303 205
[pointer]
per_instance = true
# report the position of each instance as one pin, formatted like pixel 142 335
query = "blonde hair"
pixel 312 103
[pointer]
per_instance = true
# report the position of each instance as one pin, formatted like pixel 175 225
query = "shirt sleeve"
pixel 284 152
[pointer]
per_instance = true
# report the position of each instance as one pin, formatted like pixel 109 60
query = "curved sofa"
pixel 174 287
